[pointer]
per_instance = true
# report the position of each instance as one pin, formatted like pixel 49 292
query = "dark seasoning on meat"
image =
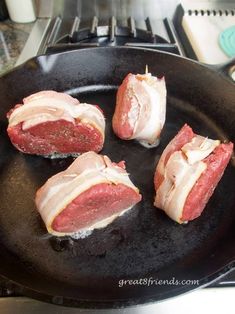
pixel 55 125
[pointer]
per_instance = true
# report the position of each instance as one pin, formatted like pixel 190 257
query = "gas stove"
pixel 147 24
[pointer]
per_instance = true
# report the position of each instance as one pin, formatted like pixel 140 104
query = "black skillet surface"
pixel 143 244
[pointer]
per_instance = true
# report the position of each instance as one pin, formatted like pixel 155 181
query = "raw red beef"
pixel 188 172
pixel 55 124
pixel 140 109
pixel 88 195
pixel 206 184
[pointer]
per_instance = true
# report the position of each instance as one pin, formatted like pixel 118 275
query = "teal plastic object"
pixel 227 41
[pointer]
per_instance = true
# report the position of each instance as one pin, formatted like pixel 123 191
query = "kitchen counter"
pixel 13 37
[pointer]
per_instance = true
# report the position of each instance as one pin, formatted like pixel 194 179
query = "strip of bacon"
pixel 52 124
pixel 86 195
pixel 190 165
pixel 140 109
pixel 52 106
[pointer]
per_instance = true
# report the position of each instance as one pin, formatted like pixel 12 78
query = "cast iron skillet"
pixel 143 244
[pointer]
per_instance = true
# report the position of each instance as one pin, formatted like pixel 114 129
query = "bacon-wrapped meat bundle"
pixel 188 172
pixel 55 124
pixel 88 195
pixel 140 109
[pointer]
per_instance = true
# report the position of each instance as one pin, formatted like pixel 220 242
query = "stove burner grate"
pixel 110 35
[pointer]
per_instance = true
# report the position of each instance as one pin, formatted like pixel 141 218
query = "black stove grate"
pixel 72 34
